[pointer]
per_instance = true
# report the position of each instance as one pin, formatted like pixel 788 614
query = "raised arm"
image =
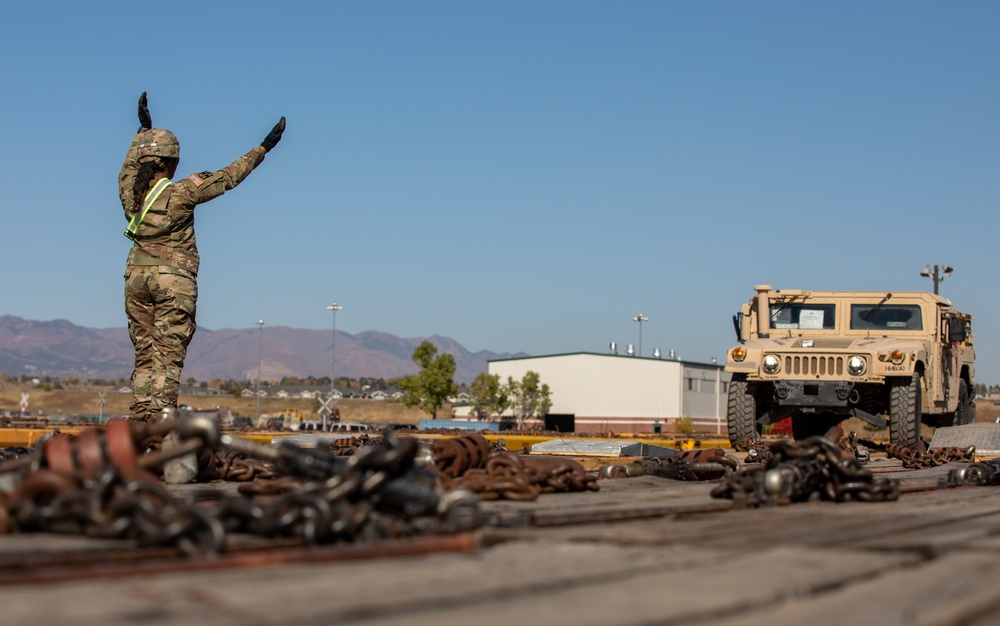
pixel 205 186
pixel 131 165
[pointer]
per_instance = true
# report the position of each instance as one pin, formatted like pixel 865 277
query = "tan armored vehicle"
pixel 822 356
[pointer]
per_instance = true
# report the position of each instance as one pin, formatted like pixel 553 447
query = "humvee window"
pixel 886 317
pixel 803 316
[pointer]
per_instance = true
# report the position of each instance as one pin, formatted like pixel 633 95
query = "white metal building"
pixel 612 393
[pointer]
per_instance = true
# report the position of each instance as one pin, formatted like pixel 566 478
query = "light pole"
pixel 640 318
pixel 946 271
pixel 260 351
pixel 333 359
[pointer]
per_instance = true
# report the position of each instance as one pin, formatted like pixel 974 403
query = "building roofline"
pixel 604 354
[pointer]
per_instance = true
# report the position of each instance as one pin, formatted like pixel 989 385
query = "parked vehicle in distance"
pixel 333 427
pixel 349 427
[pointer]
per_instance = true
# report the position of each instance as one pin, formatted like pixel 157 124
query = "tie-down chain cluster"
pixel 105 483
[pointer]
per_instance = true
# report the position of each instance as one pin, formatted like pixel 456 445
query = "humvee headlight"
pixel 896 356
pixel 856 366
pixel 739 353
pixel 770 364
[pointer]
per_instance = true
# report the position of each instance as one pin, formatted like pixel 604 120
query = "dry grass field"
pixel 74 403
pixel 86 403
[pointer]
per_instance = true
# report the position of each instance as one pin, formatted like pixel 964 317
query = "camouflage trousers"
pixel 160 303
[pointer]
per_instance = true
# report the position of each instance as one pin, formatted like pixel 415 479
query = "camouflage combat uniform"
pixel 161 288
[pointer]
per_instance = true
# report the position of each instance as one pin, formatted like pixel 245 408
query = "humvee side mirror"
pixel 956 330
pixel 738 326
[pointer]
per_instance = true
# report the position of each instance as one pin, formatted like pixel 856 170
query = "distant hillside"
pixel 62 349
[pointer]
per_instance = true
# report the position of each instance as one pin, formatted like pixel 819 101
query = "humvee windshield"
pixel 886 317
pixel 804 316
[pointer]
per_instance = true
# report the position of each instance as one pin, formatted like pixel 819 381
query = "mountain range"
pixel 62 349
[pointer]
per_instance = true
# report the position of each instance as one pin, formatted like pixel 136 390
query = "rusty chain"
pixel 454 457
pixel 799 471
pixel 922 459
pixel 705 464
pixel 757 452
pixel 346 446
pixel 377 487
pixel 493 473
pixel 760 451
pixel 378 492
pixel 219 463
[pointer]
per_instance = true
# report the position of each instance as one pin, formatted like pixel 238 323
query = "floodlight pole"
pixel 640 318
pixel 260 349
pixel 933 274
pixel 333 360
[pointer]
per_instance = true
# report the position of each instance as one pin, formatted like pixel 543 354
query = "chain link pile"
pixel 922 459
pixel 760 452
pixel 221 464
pixel 705 464
pixel 494 473
pixel 380 491
pixel 106 483
pixel 799 471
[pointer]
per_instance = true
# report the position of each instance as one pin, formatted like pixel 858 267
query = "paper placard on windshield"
pixel 811 319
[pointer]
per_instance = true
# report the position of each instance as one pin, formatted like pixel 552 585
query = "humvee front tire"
pixel 904 411
pixel 741 411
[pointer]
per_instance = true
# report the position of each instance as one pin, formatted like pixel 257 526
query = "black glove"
pixel 274 136
pixel 145 121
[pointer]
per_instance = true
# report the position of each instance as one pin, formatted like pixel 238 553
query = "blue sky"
pixel 519 176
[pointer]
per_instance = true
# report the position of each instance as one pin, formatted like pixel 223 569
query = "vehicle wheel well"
pixel 966 376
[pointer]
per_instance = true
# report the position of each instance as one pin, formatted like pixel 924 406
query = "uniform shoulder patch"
pixel 196 179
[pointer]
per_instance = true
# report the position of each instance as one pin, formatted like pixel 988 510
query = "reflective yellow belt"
pixel 151 197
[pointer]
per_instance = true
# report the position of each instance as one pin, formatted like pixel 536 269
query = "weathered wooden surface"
pixel 675 556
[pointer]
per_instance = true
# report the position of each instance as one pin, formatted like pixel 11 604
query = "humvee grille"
pixel 814 365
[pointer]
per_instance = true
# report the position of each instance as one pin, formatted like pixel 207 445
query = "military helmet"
pixel 158 142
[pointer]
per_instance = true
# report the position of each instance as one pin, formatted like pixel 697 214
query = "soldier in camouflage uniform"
pixel 161 288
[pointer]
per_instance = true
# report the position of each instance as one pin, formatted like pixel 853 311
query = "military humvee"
pixel 822 356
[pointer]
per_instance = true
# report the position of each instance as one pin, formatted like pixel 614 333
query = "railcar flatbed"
pixel 639 551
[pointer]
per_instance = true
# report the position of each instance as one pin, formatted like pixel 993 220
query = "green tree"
pixel 544 402
pixel 434 384
pixel 489 396
pixel 530 396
